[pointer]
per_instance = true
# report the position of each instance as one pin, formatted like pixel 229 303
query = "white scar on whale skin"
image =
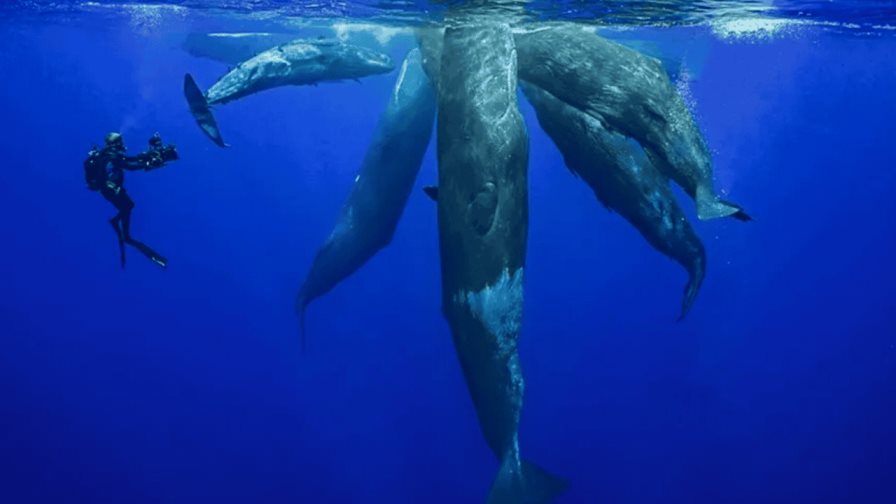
pixel 400 81
pixel 499 307
pixel 345 225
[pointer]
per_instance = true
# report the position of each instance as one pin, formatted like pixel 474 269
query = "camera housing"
pixel 164 153
pixel 168 153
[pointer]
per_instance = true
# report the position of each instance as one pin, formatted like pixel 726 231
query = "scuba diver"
pixel 104 172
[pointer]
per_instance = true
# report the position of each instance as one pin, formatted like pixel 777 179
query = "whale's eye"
pixel 482 208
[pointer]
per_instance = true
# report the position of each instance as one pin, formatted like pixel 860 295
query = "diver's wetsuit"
pixel 116 162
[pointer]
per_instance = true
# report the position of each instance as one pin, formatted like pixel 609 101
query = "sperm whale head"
pixel 365 61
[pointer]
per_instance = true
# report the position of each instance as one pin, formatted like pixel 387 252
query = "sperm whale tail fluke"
pixel 532 485
pixel 740 214
pixel 697 271
pixel 710 206
pixel 201 111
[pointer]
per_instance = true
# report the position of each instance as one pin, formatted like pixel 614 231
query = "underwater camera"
pixel 168 153
pixel 161 153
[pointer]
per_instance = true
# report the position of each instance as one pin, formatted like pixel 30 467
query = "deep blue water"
pixel 187 385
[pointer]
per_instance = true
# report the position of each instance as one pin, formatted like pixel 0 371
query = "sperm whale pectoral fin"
pixel 533 486
pixel 201 111
pixel 697 272
pixel 709 206
pixel 432 192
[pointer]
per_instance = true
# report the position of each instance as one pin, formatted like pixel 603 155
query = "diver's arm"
pixel 144 161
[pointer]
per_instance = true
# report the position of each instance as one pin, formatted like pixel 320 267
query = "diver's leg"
pixel 113 197
pixel 126 208
pixel 116 225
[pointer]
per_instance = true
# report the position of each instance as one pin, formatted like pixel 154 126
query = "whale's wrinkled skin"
pixel 300 62
pixel 297 63
pixel 483 223
pixel 624 180
pixel 430 41
pixel 679 55
pixel 629 93
pixel 372 210
pixel 232 48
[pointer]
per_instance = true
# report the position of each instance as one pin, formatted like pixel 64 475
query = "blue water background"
pixel 187 385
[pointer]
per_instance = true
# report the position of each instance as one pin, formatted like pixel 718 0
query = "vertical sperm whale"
pixel 630 93
pixel 625 181
pixel 375 204
pixel 483 151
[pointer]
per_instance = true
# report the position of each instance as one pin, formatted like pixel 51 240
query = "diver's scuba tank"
pixel 94 170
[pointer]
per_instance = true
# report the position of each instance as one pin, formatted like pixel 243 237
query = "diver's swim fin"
pixel 161 261
pixel 201 111
pixel 149 252
pixel 432 192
